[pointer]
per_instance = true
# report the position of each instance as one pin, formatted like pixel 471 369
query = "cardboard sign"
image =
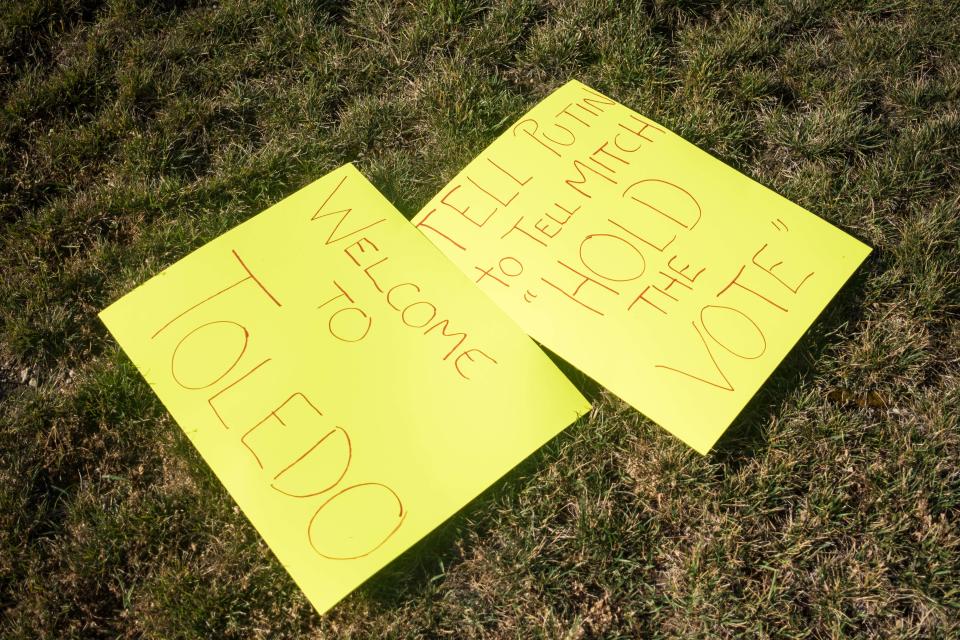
pixel 670 278
pixel 345 382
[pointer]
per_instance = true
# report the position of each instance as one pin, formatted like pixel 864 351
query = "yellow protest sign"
pixel 670 278
pixel 346 383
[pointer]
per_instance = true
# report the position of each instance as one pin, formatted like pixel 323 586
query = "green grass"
pixel 132 132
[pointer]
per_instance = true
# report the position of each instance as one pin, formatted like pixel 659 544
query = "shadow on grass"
pixel 748 432
pixel 427 560
pixel 412 572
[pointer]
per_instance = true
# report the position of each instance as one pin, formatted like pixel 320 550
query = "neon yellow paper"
pixel 345 382
pixel 670 278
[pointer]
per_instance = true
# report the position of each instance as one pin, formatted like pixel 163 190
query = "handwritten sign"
pixel 345 382
pixel 672 279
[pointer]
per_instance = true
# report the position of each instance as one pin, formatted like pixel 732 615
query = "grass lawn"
pixel 132 132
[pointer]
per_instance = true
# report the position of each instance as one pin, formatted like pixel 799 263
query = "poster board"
pixel 667 276
pixel 349 387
